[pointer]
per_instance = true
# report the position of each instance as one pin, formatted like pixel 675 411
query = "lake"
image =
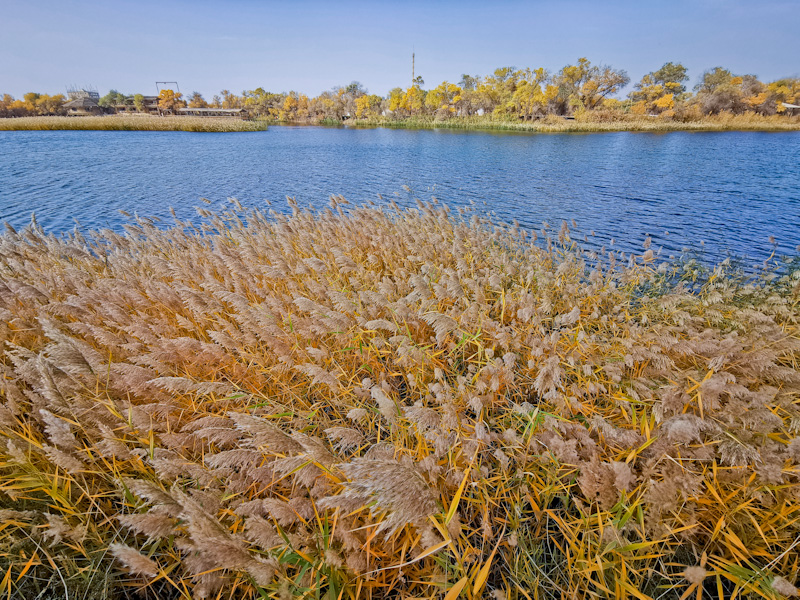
pixel 718 192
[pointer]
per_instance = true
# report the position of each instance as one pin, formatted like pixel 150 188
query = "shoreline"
pixel 546 125
pixel 554 124
pixel 560 125
pixel 131 123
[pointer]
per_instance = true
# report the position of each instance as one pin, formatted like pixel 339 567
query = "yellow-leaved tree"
pixel 784 91
pixel 659 91
pixel 529 99
pixel 196 100
pixel 442 99
pixel 368 105
pixel 413 100
pixel 585 85
pixel 170 101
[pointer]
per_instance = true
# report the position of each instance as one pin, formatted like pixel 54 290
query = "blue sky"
pixel 312 46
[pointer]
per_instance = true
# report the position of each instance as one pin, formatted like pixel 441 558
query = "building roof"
pixel 84 102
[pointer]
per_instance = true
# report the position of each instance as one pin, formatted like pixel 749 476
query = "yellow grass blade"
pixel 454 591
pixel 423 554
pixel 457 497
pixel 33 559
pixel 483 574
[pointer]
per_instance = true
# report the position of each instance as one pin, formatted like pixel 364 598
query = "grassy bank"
pixel 390 404
pixel 547 125
pixel 130 123
pixel 591 123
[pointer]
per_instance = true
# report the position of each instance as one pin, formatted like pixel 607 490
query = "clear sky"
pixel 311 46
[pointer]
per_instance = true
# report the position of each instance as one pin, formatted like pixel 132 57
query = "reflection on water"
pixel 729 190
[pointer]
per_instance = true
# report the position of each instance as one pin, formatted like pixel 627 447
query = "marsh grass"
pixel 374 403
pixel 131 123
pixel 586 124
pixel 591 123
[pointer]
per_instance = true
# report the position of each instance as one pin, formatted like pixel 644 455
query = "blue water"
pixel 719 192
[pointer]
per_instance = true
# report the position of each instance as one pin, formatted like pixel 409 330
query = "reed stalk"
pixel 386 403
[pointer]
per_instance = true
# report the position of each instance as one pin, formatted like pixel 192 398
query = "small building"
pixel 83 102
pixel 150 106
pixel 214 112
pixel 83 107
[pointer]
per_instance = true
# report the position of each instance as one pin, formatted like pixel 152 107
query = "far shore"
pixel 555 124
pixel 131 123
pixel 551 124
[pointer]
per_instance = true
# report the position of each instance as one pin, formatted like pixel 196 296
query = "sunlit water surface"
pixel 722 193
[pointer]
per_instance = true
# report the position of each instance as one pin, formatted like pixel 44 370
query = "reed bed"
pixel 590 123
pixel 387 403
pixel 131 123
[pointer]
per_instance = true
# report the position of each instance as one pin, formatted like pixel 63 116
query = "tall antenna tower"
pixel 413 57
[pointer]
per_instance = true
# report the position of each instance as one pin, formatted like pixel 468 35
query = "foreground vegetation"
pixel 131 123
pixel 391 403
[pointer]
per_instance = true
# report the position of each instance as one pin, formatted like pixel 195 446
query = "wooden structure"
pixel 83 102
pixel 76 93
pixel 150 107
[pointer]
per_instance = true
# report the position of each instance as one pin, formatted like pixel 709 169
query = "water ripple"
pixel 731 190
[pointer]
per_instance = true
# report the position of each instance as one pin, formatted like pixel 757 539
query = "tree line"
pixel 507 93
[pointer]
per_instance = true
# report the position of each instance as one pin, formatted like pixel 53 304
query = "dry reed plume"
pixel 390 403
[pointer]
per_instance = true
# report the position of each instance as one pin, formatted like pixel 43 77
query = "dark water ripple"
pixel 722 192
